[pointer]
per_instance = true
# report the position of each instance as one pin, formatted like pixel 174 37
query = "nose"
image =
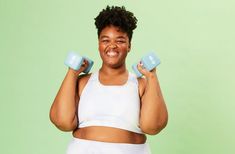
pixel 113 45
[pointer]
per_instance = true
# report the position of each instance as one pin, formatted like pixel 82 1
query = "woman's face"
pixel 113 46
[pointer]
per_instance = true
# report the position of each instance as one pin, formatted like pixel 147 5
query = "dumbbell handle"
pixel 149 61
pixel 75 61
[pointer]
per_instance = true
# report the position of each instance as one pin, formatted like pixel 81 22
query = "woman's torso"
pixel 104 133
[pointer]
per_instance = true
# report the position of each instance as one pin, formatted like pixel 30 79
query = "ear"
pixel 129 47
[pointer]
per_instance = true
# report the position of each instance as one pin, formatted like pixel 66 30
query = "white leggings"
pixel 81 146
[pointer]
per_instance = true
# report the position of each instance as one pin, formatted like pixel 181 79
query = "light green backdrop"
pixel 193 38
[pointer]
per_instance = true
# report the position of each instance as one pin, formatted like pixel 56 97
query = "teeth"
pixel 112 53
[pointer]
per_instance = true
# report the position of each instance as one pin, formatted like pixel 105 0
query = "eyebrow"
pixel 119 37
pixel 104 37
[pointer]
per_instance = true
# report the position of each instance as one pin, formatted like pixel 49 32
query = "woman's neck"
pixel 113 71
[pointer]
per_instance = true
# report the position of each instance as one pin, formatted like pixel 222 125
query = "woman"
pixel 110 111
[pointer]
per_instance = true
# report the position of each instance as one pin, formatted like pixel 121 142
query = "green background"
pixel 193 38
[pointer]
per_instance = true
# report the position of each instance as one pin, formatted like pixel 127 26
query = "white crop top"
pixel 110 105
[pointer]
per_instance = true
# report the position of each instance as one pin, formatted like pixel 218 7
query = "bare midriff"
pixel 109 134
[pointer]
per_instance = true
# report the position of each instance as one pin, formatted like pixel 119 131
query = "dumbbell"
pixel 149 61
pixel 75 61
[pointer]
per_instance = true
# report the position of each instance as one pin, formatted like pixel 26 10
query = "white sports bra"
pixel 110 105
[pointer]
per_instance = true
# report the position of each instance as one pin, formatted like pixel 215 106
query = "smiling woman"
pixel 111 110
pixel 113 46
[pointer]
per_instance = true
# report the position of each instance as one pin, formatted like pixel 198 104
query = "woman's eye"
pixel 121 41
pixel 105 41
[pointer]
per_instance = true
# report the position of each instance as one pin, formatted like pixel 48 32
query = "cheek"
pixel 125 47
pixel 101 47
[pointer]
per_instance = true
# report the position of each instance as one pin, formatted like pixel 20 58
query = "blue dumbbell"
pixel 149 61
pixel 75 61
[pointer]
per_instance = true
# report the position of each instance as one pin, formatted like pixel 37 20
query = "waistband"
pixel 83 146
pixel 75 139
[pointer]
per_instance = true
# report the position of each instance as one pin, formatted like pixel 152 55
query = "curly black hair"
pixel 116 16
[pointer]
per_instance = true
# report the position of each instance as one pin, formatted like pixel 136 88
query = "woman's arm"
pixel 63 109
pixel 153 114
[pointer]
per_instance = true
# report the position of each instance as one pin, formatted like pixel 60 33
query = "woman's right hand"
pixel 81 69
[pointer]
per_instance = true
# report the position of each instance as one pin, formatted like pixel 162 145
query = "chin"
pixel 115 65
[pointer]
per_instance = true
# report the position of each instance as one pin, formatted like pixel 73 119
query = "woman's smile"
pixel 112 53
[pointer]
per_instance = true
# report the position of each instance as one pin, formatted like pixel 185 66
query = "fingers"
pixel 141 68
pixel 144 71
pixel 84 65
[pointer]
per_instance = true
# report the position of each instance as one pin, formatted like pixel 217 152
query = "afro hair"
pixel 118 17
